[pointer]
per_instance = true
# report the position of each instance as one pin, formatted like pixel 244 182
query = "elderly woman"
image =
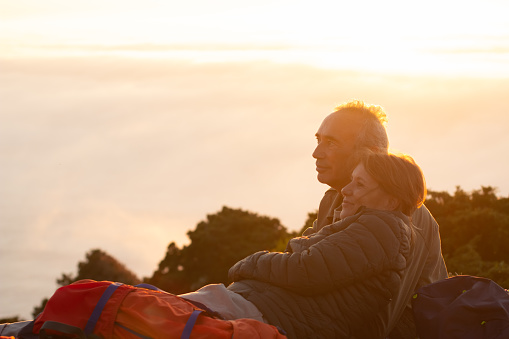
pixel 341 281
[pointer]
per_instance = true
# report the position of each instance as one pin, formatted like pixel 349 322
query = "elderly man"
pixel 351 128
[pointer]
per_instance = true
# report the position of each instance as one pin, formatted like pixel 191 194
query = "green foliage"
pixel 38 309
pixel 283 242
pixel 216 244
pixel 170 275
pixel 99 266
pixel 9 320
pixel 475 232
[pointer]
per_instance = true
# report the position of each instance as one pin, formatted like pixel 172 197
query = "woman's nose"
pixel 346 190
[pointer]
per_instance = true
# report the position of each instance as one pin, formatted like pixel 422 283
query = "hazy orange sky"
pixel 439 37
pixel 123 123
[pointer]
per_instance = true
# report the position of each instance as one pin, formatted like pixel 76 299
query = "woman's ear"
pixel 393 203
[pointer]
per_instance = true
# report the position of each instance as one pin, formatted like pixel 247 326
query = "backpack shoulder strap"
pixel 96 313
pixel 186 333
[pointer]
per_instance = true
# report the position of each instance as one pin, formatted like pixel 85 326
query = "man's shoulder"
pixel 328 199
pixel 331 189
pixel 330 192
pixel 425 224
pixel 325 212
pixel 331 200
pixel 422 216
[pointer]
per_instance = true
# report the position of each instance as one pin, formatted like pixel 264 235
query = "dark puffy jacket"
pixel 331 284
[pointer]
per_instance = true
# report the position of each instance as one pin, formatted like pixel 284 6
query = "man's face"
pixel 336 139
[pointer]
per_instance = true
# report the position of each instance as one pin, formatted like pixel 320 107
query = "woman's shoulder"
pixel 370 221
pixel 374 216
pixel 387 216
pixel 391 229
pixel 380 221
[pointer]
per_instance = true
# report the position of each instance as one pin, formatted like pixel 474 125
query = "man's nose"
pixel 318 153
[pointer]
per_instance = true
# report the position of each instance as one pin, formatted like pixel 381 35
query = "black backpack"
pixel 463 307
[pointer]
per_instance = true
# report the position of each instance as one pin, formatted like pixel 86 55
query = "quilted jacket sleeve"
pixel 371 244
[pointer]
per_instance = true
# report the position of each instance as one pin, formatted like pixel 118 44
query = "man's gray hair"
pixel 372 133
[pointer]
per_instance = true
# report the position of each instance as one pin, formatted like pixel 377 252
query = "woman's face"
pixel 363 190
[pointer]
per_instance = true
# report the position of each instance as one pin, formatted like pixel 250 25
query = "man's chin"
pixel 323 178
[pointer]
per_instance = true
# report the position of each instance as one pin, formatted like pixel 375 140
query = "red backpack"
pixel 92 309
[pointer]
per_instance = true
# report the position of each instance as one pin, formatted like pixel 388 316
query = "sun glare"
pixel 394 36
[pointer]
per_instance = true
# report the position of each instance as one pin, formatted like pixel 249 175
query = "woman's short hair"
pixel 399 176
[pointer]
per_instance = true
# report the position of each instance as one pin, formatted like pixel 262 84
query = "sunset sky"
pixel 438 37
pixel 124 123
